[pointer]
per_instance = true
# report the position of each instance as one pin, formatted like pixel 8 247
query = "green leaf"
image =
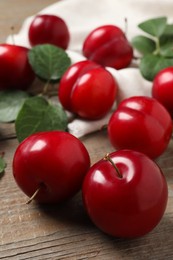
pixel 168 30
pixel 36 115
pixel 151 64
pixel 154 27
pixel 167 50
pixel 10 104
pixel 165 39
pixel 49 62
pixel 2 166
pixel 143 44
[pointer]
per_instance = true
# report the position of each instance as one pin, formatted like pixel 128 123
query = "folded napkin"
pixel 82 16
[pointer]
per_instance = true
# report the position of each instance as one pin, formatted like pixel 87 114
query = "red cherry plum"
pixel 141 123
pixel 46 28
pixel 162 88
pixel 129 205
pixel 54 163
pixel 108 46
pixel 15 70
pixel 88 90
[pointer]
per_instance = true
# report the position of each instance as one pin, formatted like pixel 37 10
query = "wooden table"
pixel 65 232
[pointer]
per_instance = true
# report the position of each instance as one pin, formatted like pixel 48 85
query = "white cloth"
pixel 82 16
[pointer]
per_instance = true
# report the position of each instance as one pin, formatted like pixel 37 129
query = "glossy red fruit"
pixel 162 88
pixel 46 28
pixel 128 203
pixel 142 124
pixel 15 70
pixel 54 163
pixel 108 46
pixel 88 90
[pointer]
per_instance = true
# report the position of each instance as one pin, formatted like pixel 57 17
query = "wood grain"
pixel 38 232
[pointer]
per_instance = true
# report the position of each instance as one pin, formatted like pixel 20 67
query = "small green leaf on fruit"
pixel 36 115
pixel 151 64
pixel 49 62
pixel 155 26
pixel 2 166
pixel 10 103
pixel 143 44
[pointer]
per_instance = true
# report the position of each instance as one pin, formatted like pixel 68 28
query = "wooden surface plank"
pixel 65 232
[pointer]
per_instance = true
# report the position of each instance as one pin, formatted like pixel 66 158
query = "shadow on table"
pixel 155 245
pixel 70 212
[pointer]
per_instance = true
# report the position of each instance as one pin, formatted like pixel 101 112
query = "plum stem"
pixel 12 35
pixel 108 158
pixel 125 26
pixel 33 196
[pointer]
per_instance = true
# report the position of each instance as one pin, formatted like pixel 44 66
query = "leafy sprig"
pixel 11 102
pixel 33 114
pixel 156 46
pixel 49 62
pixel 37 114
